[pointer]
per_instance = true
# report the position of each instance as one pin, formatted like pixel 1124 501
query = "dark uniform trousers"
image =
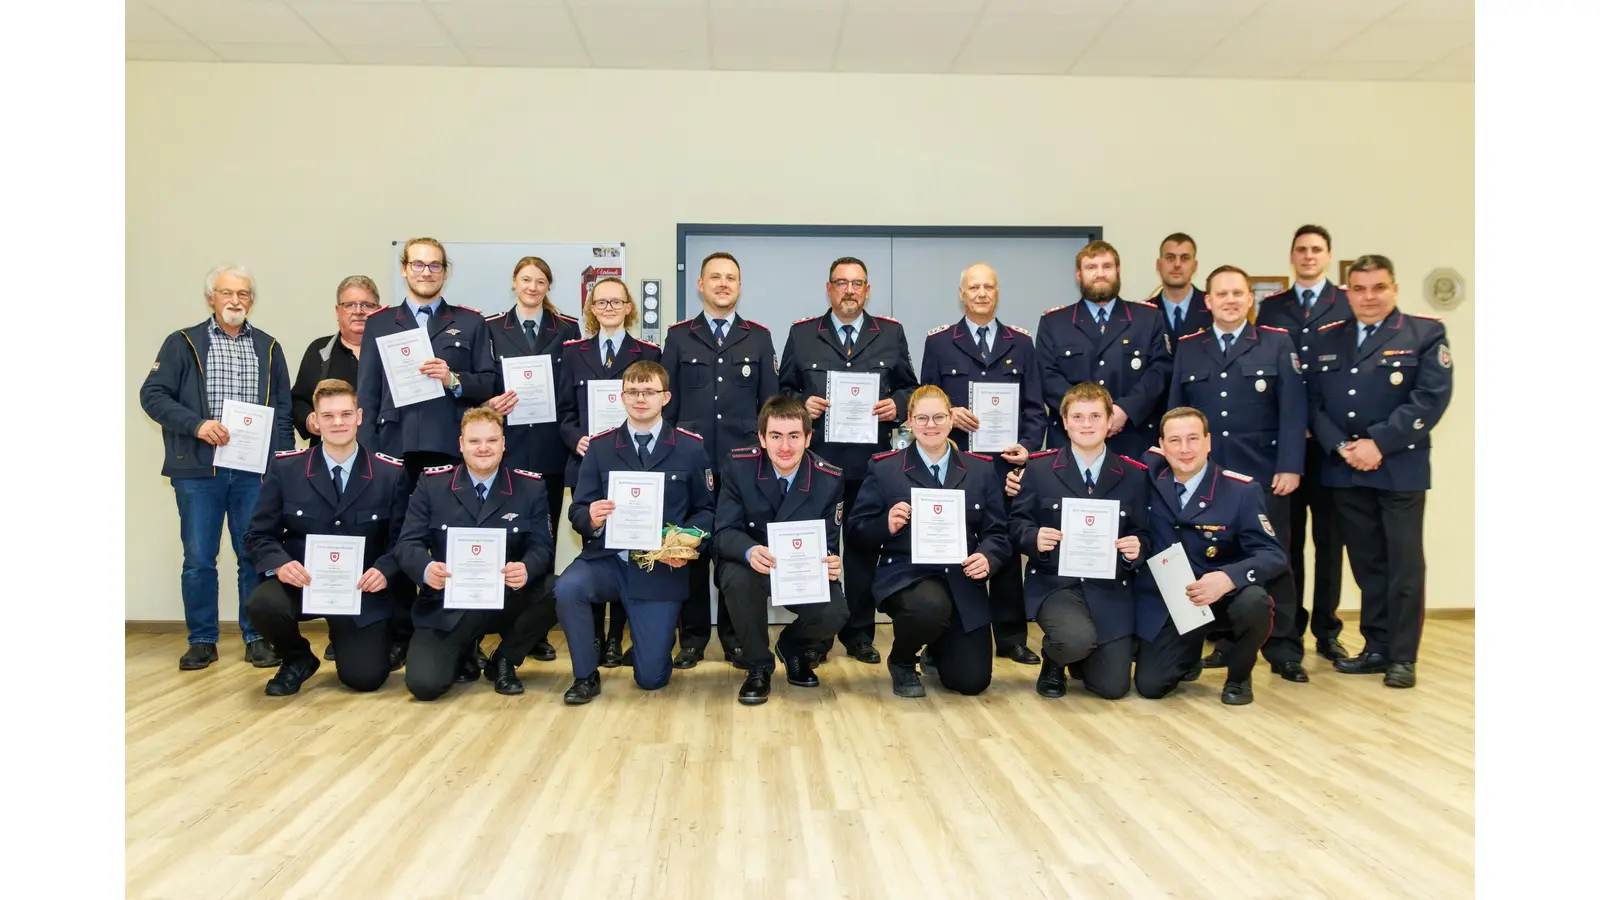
pixel 746 591
pixel 653 599
pixel 1163 661
pixel 442 638
pixel 1070 639
pixel 811 352
pixel 1286 310
pixel 694 625
pixel 402 590
pixel 936 606
pixel 1391 388
pixel 298 499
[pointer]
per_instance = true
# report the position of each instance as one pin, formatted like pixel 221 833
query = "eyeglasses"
pixel 225 294
pixel 418 265
pixel 608 304
pixel 647 394
pixel 840 284
pixel 925 421
pixel 358 305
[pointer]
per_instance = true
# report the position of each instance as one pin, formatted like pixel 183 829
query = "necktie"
pixel 609 358
pixel 1101 318
pixel 338 481
pixel 1227 343
pixel 1088 479
pixel 643 440
pixel 983 341
pixel 935 470
pixel 1309 299
pixel 483 492
pixel 422 316
pixel 1366 332
pixel 1181 490
pixel 1177 319
pixel 716 326
pixel 532 328
pixel 783 486
pixel 849 339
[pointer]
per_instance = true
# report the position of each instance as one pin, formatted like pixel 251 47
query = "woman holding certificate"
pixel 589 401
pixel 939 516
pixel 527 342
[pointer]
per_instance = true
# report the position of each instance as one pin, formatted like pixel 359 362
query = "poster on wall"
pixel 480 272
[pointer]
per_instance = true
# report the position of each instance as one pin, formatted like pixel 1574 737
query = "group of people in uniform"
pixel 1216 426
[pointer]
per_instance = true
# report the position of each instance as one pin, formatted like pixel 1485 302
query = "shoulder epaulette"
pixel 757 324
pixel 745 452
pixel 982 456
pixel 934 331
pixel 526 474
pixel 1155 450
pixel 1229 473
pixel 1145 303
pixel 380 309
pixel 492 316
pixel 1273 328
pixel 1058 308
pixel 390 460
pixel 1197 333
pixel 566 318
pixel 607 431
pixel 437 470
pixel 465 307
pixel 1131 460
pixel 573 341
pixel 283 453
pixel 805 319
pixel 1022 331
pixel 1038 453
pixel 1333 324
pixel 689 433
pixel 680 323
pixel 1283 293
pixel 825 466
pixel 885 454
pixel 649 344
pixel 888 319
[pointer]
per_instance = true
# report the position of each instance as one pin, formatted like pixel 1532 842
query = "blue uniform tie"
pixel 338 481
pixel 483 492
pixel 1227 343
pixel 1366 332
pixel 983 341
pixel 1088 479
pixel 849 339
pixel 716 326
pixel 1101 318
pixel 643 441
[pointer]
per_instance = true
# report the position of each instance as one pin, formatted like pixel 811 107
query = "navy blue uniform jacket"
pixel 950 360
pixel 582 362
pixel 1254 400
pixel 537 447
pixel 752 497
pixel 1132 360
pixel 458 337
pixel 717 392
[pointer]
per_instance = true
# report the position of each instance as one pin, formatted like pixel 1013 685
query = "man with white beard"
pixel 196 370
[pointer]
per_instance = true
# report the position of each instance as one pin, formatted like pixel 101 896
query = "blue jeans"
pixel 202 503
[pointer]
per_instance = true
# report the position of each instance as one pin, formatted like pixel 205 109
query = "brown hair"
pixel 1085 392
pixel 542 266
pixel 331 387
pixel 482 414
pixel 1095 248
pixel 783 407
pixel 926 392
pixel 1178 237
pixel 1371 262
pixel 591 325
pixel 1223 270
pixel 720 254
pixel 643 371
pixel 1184 412
pixel 405 253
pixel 1317 230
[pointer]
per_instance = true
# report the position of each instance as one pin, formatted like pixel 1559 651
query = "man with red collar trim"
pixel 779 481
pixel 1379 384
pixel 1220 518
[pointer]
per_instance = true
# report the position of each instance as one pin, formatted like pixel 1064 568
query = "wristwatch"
pixel 455 381
pixel 1341 445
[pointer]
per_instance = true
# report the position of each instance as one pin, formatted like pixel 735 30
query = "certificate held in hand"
pixel 531 378
pixel 402 355
pixel 605 405
pixel 249 437
pixel 995 405
pixel 849 419
pixel 801 575
pixel 1088 538
pixel 938 527
pixel 637 521
pixel 476 558
pixel 1173 575
pixel 334 564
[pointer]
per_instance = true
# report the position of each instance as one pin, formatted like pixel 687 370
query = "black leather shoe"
pixel 907 683
pixel 198 656
pixel 467 670
pixel 627 657
pixel 1237 693
pixel 1213 660
pixel 505 676
pixel 1193 674
pixel 866 653
pixel 291 674
pixel 735 657
pixel 1291 671
pixel 259 653
pixel 1020 654
pixel 757 685
pixel 479 657
pixel 814 658
pixel 582 691
pixel 1333 650
pixel 611 655
pixel 1052 681
pixel 328 653
pixel 1400 675
pixel 688 658
pixel 544 651
pixel 797 669
pixel 397 656
pixel 1365 664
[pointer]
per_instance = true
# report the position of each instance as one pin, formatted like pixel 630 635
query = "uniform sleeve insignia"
pixel 1330 325
pixel 1444 355
pixel 438 470
pixel 156 367
pixel 711 482
pixel 1237 476
pixel 1135 462
pixel 390 460
pixel 283 453
pixel 526 474
pixel 981 456
pixel 884 455
pixel 775 363
pixel 825 466
pixel 838 513
pixel 1265 525
pixel 690 434
pixel 934 331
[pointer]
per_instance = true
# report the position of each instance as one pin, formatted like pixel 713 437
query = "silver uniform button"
pixel 1224 374
pixel 1224 393
pixel 338 523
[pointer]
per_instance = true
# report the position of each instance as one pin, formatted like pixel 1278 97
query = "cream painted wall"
pixel 305 173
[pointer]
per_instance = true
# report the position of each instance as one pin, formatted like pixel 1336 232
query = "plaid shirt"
pixel 232 370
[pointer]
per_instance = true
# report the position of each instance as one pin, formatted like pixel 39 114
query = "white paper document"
pixel 605 405
pixel 801 575
pixel 402 355
pixel 1088 538
pixel 334 564
pixel 475 558
pixel 249 437
pixel 636 522
pixel 531 377
pixel 995 404
pixel 849 419
pixel 1173 576
pixel 938 526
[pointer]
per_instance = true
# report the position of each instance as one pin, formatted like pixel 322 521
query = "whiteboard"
pixel 480 272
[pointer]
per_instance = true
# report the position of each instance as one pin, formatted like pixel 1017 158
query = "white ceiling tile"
pixel 1191 9
pixel 1434 11
pixel 169 51
pixel 239 21
pixel 790 38
pixel 717 6
pixel 536 28
pixel 1026 44
pixel 277 53
pixel 568 58
pixel 610 31
pixel 1344 70
pixel 1099 9
pixel 1324 10
pixel 373 24
pixel 146 25
pixel 637 4
pixel 525 4
pixel 914 6
pixel 1403 41
pixel 1263 39
pixel 1131 66
pixel 1126 38
pixel 1235 67
pixel 402 56
pixel 900 42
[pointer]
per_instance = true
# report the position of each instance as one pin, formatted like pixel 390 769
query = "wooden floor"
pixel 1340 787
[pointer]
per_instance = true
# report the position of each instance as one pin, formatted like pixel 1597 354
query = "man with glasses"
pixel 334 355
pixel 198 369
pixel 848 339
pixel 423 434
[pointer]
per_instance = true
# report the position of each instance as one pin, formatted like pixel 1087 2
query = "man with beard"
pixel 197 369
pixel 724 368
pixel 848 339
pixel 1115 343
pixel 1183 306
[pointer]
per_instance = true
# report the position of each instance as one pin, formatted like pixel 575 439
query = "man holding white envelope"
pixel 1219 518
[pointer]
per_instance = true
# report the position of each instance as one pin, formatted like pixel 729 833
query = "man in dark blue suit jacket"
pixel 1182 305
pixel 653 597
pixel 1379 384
pixel 336 488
